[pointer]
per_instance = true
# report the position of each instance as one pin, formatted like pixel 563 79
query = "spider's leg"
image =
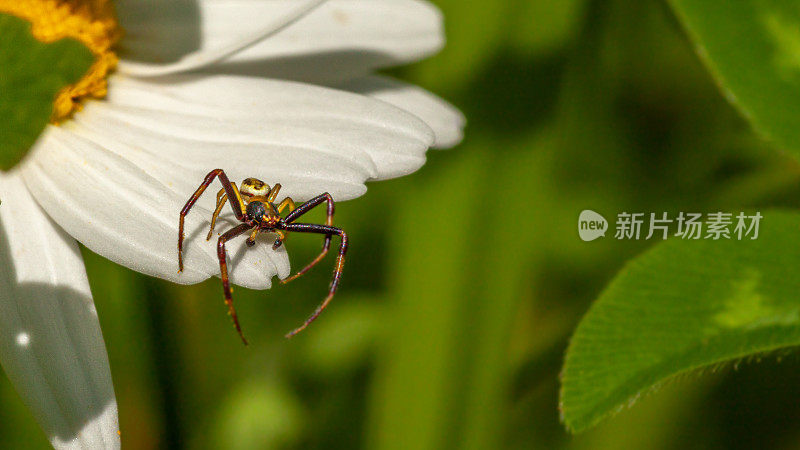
pixel 307 206
pixel 251 241
pixel 286 203
pixel 328 231
pixel 273 193
pixel 299 211
pixel 223 270
pixel 278 241
pixel 326 245
pixel 221 198
pixel 233 195
pixel 239 201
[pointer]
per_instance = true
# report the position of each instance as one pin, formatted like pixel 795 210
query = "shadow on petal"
pixel 326 68
pixel 159 31
pixel 53 352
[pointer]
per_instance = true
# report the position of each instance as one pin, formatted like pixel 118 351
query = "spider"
pixel 253 206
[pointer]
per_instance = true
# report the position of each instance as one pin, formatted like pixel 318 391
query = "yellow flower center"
pixel 92 22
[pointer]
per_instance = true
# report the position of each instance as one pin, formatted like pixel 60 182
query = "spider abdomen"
pixel 254 188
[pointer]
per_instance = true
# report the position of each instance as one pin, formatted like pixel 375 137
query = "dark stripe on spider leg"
pixel 307 206
pixel 223 269
pixel 337 272
pixel 229 189
pixel 299 211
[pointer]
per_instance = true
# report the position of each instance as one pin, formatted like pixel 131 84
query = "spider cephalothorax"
pixel 264 214
pixel 257 211
pixel 253 205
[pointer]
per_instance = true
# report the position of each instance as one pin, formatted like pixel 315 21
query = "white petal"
pixel 309 139
pixel 446 121
pixel 338 40
pixel 51 346
pixel 196 34
pixel 343 39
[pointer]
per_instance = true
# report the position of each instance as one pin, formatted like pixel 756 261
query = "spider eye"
pixel 256 210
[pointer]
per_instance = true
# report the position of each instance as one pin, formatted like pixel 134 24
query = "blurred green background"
pixel 465 280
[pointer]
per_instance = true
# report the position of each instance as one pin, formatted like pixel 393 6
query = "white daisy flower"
pixel 280 90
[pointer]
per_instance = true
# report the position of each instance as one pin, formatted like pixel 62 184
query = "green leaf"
pixel 684 305
pixel 31 74
pixel 752 48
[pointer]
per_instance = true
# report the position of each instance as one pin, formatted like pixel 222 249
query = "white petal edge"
pixel 51 346
pixel 342 39
pixel 114 208
pixel 446 121
pixel 245 27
